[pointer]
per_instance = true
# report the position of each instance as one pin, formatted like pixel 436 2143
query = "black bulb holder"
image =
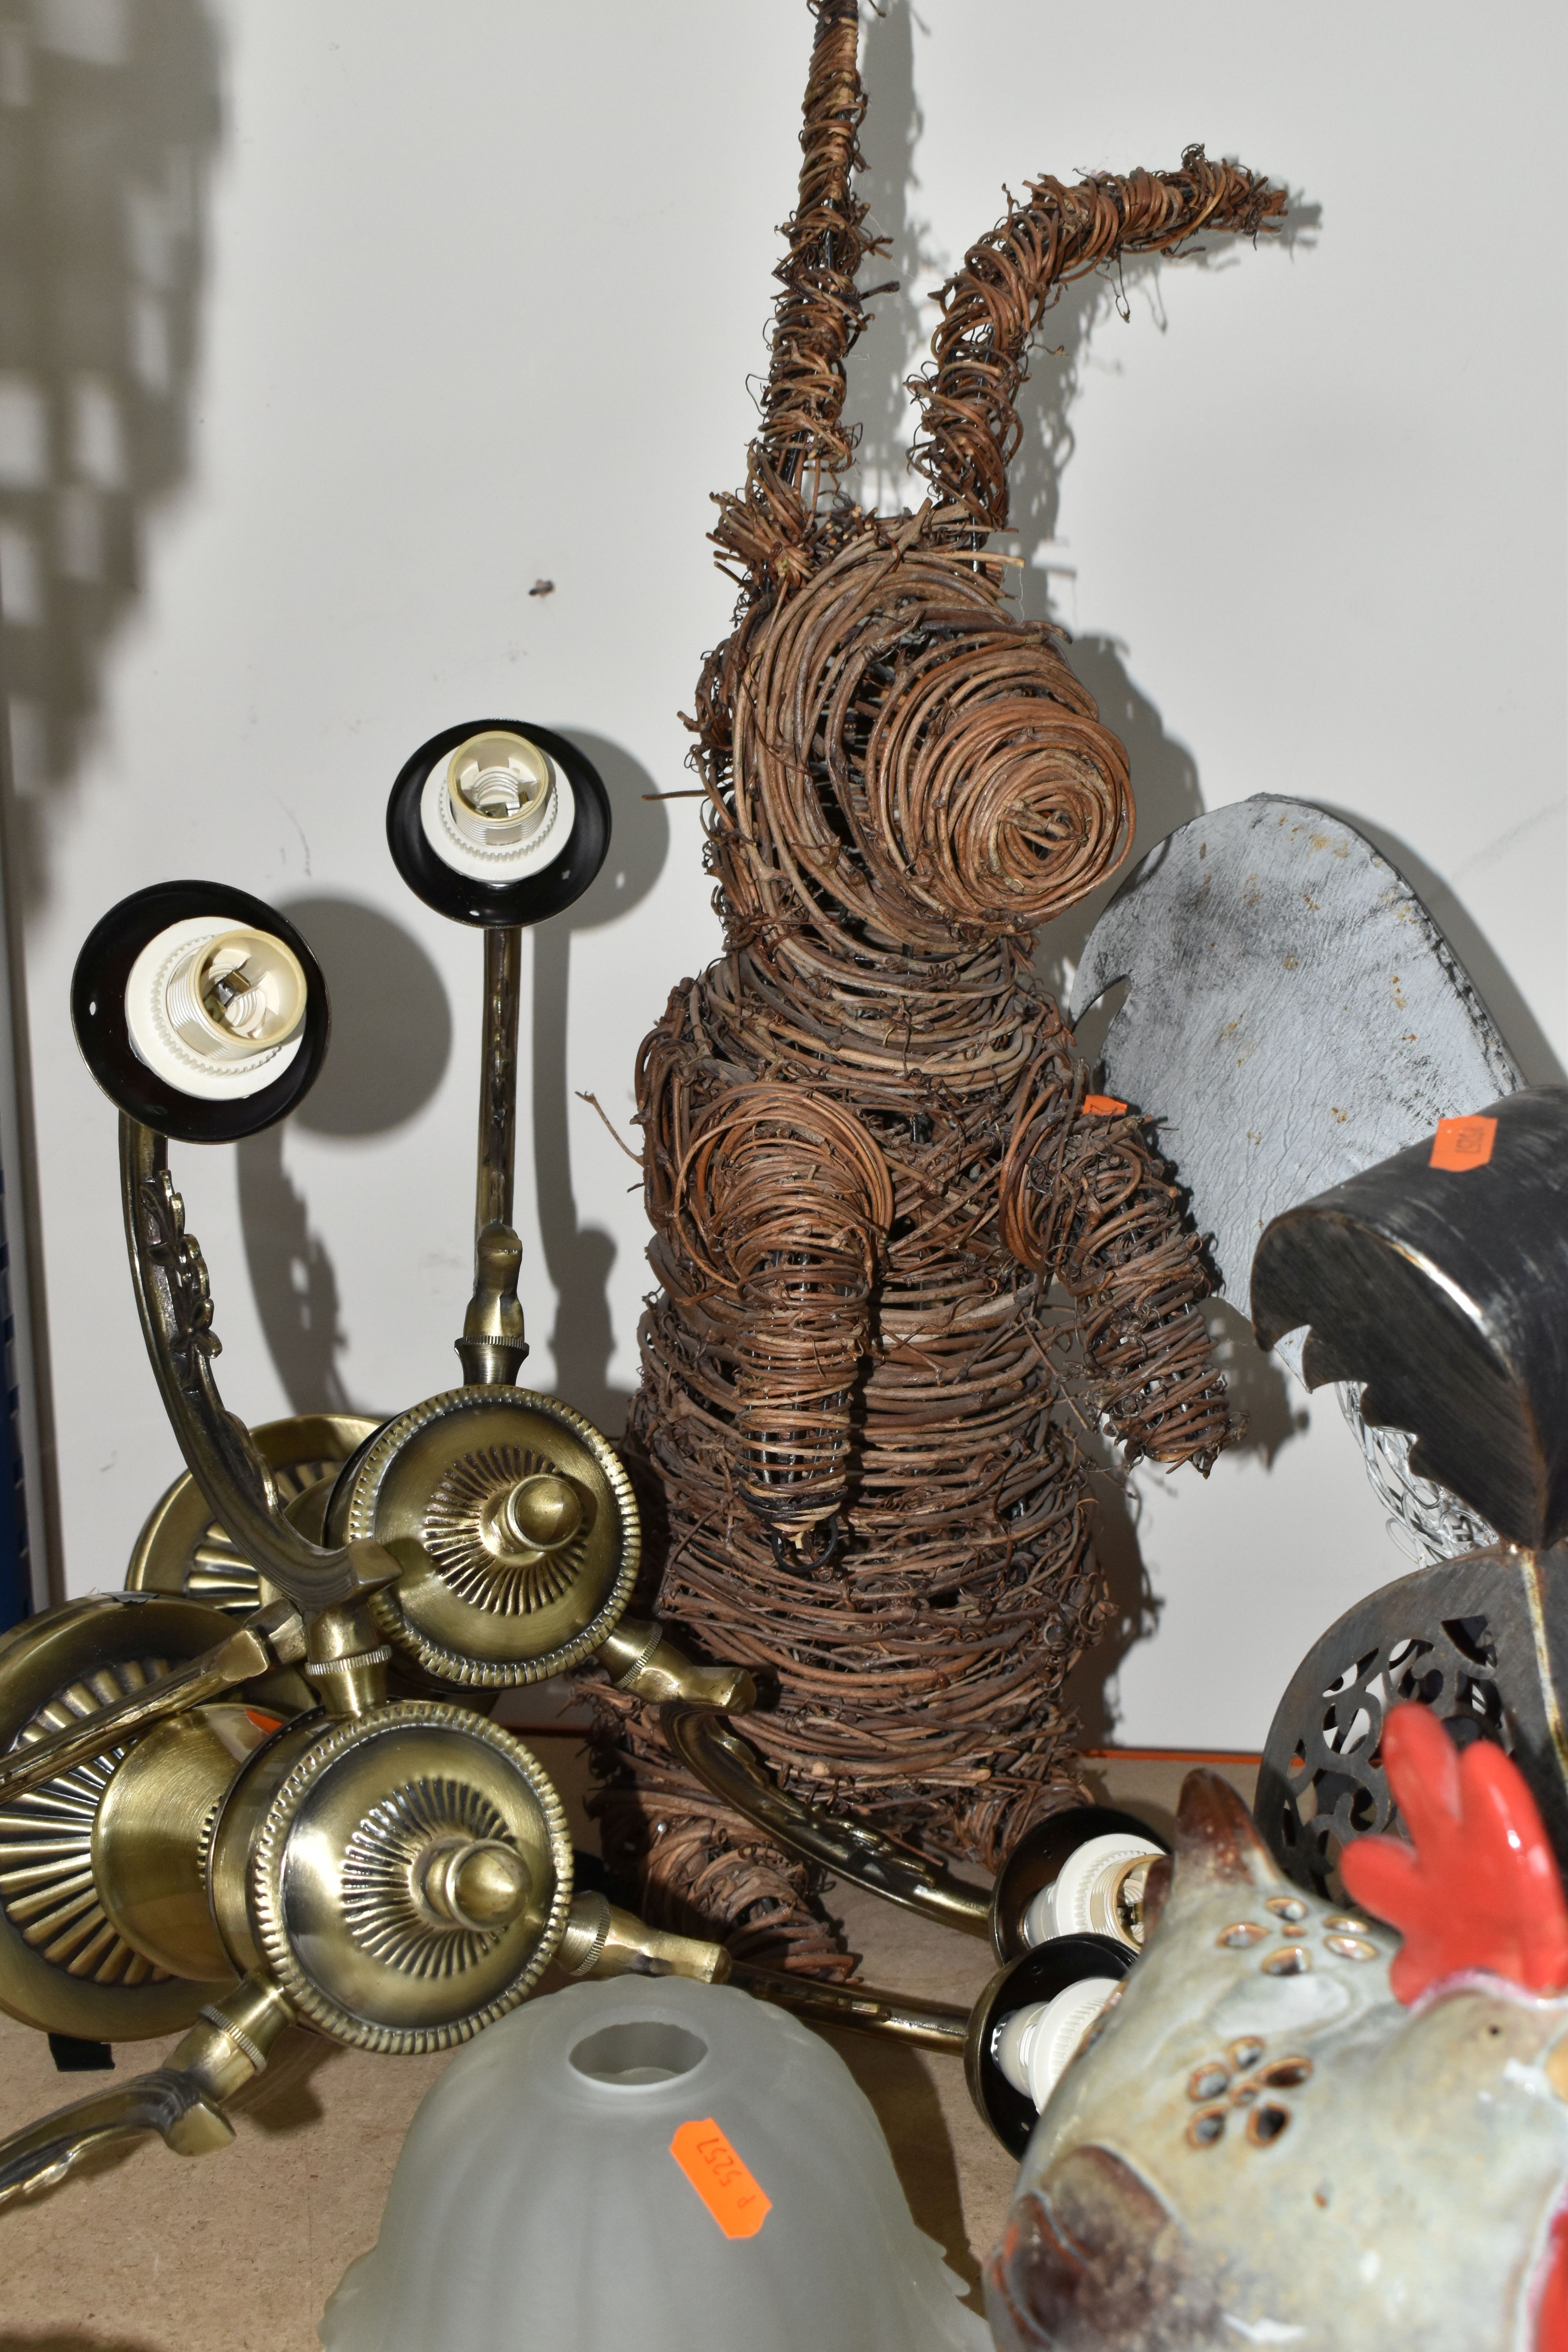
pixel 1038 1974
pixel 103 1034
pixel 531 898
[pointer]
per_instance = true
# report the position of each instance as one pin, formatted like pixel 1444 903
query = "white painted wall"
pixel 439 303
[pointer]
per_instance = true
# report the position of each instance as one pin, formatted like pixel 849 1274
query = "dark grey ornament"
pixel 1482 1641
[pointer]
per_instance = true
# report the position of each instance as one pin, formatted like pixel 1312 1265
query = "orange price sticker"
pixel 1463 1143
pixel 736 2202
pixel 1102 1105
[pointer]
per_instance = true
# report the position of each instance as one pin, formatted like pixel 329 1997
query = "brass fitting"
pixel 347 1660
pixel 603 1941
pixel 492 1347
pixel 541 1514
pixel 478 1883
pixel 642 1659
pixel 228 2045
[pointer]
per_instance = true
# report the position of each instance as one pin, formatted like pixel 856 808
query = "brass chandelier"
pixel 260 1787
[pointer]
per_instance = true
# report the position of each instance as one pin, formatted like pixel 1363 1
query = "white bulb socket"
pixel 216 1009
pixel 1036 2045
pixel 1099 1891
pixel 497 809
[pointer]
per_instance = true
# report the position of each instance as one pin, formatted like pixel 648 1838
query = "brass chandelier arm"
pixel 168 2101
pixel 492 1347
pixel 274 1637
pixel 642 1659
pixel 182 2102
pixel 731 1767
pixel 863 2009
pixel 602 1940
pixel 174 1301
pixel 498 1078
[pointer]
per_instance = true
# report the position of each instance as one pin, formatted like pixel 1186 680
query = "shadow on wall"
pixel 110 118
pixel 1089 1691
pixel 391 1039
pixel 893 345
pixel 1275 1410
pixel 1165 776
pixel 1518 1025
pixel 1167 789
pixel 1167 792
pixel 579 1258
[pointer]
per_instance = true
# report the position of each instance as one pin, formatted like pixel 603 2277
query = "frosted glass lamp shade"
pixel 663 2165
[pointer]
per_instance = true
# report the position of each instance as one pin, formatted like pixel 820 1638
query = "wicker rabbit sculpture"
pixel 896 1238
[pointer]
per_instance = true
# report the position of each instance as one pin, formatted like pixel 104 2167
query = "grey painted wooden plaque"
pixel 1294 1015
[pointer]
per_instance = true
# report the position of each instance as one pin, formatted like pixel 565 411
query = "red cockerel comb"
pixel 1479 1886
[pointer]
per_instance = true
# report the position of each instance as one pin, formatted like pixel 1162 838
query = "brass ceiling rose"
pixel 411 1878
pixel 182 1548
pixel 514 1526
pixel 64 1966
pixel 47 1888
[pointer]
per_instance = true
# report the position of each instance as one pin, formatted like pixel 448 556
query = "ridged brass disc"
pixel 334 1876
pixel 182 1549
pixel 477 1603
pixel 63 1966
pixel 455 1530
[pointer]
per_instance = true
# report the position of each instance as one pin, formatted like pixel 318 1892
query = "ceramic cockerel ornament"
pixel 870 1147
pixel 1287 2127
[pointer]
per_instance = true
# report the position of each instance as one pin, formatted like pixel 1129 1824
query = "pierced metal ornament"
pixel 1480 1640
pixel 1425 1519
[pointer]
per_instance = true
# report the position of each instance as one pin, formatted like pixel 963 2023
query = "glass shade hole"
pixel 651 2050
